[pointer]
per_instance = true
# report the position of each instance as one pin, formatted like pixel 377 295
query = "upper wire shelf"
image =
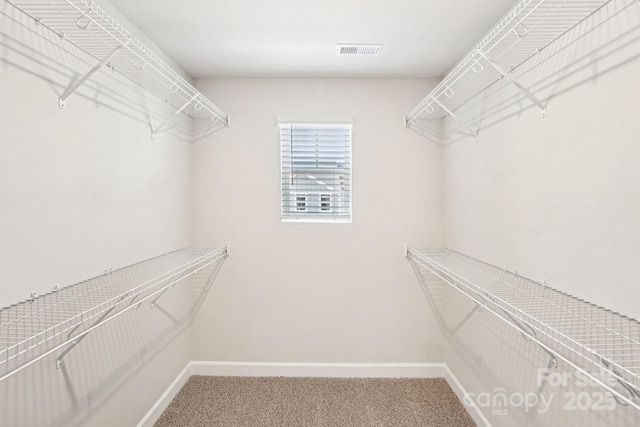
pixel 600 343
pixel 39 326
pixel 524 32
pixel 84 24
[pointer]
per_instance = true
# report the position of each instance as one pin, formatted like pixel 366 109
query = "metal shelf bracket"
pixel 171 280
pixel 617 375
pixel 75 342
pixel 173 116
pixel 73 87
pixel 469 132
pixel 527 92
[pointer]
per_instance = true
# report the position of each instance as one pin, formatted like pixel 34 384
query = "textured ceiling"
pixel 297 38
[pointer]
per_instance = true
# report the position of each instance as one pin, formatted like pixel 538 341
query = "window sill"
pixel 319 220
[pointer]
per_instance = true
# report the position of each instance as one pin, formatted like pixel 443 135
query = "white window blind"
pixel 316 171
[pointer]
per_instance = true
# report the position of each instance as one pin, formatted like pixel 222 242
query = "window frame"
pixel 310 204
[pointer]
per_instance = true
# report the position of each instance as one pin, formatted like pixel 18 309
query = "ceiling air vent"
pixel 358 49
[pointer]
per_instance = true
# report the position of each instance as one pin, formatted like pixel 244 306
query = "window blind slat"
pixel 315 171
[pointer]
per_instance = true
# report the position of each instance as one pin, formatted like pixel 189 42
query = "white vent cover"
pixel 358 49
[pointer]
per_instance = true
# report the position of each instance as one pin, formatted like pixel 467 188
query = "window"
pixel 325 202
pixel 301 202
pixel 316 171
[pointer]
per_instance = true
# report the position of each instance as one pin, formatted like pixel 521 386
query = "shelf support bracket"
pixel 80 81
pixel 75 342
pixel 475 309
pixel 473 134
pixel 208 284
pixel 617 375
pixel 425 291
pixel 173 116
pixel 213 128
pixel 424 132
pixel 529 335
pixel 553 363
pixel 174 279
pixel 527 92
pixel 179 276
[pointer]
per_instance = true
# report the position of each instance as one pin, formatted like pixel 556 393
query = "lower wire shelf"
pixel 33 329
pixel 600 343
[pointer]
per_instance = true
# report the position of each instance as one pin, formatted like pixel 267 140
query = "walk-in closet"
pixel 337 213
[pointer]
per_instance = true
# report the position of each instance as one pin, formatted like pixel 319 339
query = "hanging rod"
pixel 84 24
pixel 600 343
pixel 33 329
pixel 525 31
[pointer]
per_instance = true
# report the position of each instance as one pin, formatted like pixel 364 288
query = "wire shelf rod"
pixel 533 69
pixel 526 30
pixel 111 93
pixel 33 329
pixel 588 337
pixel 23 343
pixel 103 319
pixel 493 299
pixel 563 310
pixel 85 25
pixel 461 67
pixel 89 288
pixel 618 396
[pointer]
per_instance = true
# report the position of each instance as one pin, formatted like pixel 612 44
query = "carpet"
pixel 286 401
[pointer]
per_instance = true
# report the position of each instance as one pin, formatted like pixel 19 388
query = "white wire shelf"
pixel 524 32
pixel 84 24
pixel 33 329
pixel 600 343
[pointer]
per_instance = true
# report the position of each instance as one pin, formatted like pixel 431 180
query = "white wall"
pixel 301 292
pixel 83 189
pixel 557 199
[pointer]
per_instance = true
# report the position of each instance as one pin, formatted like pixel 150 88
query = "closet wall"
pixel 81 190
pixel 558 199
pixel 85 188
pixel 302 292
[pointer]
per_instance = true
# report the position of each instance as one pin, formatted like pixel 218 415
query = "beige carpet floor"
pixel 301 402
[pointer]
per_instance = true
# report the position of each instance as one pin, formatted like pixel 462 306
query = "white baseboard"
pixel 156 410
pixel 327 370
pixel 460 391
